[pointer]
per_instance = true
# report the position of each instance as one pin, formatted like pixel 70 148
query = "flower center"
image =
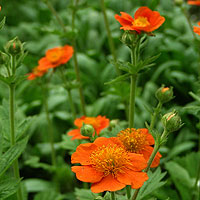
pixel 141 22
pixel 54 55
pixel 109 159
pixel 133 140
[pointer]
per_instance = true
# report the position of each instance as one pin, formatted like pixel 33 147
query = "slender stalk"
pixel 155 114
pixel 50 127
pixel 12 135
pixel 112 194
pixel 76 61
pixel 189 22
pixel 128 191
pixel 132 90
pixel 69 93
pixel 51 8
pixel 110 40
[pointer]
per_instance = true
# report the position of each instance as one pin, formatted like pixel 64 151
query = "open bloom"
pixel 144 20
pixel 197 29
pixel 55 57
pixel 194 2
pixel 139 141
pixel 36 73
pixel 98 123
pixel 108 166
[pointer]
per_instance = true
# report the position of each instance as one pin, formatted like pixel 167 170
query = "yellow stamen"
pixel 141 22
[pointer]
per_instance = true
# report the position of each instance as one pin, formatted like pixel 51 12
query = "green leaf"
pixel 2 22
pixel 8 187
pixel 181 179
pixel 118 79
pixel 37 185
pixel 84 194
pixel 11 155
pixel 154 182
pixel 48 195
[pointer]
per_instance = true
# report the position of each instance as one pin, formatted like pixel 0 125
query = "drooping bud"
pixel 87 130
pixel 171 121
pixel 3 58
pixel 164 94
pixel 14 46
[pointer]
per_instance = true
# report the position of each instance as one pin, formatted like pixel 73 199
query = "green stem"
pixel 128 191
pixel 110 40
pixel 51 8
pixel 112 194
pixel 155 150
pixel 155 114
pixel 132 90
pixel 189 22
pixel 50 127
pixel 12 135
pixel 76 61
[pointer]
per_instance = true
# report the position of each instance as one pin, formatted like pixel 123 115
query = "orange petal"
pixel 76 134
pixel 79 121
pixel 67 53
pixel 125 20
pixel 108 183
pixel 144 12
pixel 149 137
pixel 138 162
pixel 82 154
pixel 105 141
pixel 135 179
pixel 87 174
pixel 147 151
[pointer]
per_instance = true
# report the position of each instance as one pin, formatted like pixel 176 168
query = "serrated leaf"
pixel 11 155
pixel 8 187
pixel 2 22
pixel 118 79
pixel 153 183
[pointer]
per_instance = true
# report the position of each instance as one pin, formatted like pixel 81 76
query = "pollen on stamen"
pixel 141 22
pixel 109 159
pixel 133 140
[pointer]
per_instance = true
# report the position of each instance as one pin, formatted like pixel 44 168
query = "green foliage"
pixel 8 187
pixel 2 22
pixel 11 155
pixel 85 194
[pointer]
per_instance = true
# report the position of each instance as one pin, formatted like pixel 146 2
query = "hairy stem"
pixel 12 135
pixel 155 114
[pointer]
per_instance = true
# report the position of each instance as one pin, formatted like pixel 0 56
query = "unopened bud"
pixel 129 39
pixel 171 121
pixel 113 123
pixel 3 58
pixel 164 94
pixel 87 130
pixel 178 2
pixel 14 46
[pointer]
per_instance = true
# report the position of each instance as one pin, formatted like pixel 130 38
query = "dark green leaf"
pixel 118 79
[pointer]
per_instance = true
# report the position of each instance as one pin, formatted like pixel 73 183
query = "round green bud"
pixel 14 46
pixel 113 123
pixel 164 94
pixel 87 130
pixel 171 121
pixel 129 38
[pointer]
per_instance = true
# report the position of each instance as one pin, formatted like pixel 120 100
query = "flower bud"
pixel 128 39
pixel 87 130
pixel 178 2
pixel 164 94
pixel 113 123
pixel 3 58
pixel 171 121
pixel 14 46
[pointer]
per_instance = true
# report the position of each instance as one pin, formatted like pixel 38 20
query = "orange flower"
pixel 197 29
pixel 139 141
pixel 98 123
pixel 36 73
pixel 55 57
pixel 108 166
pixel 194 2
pixel 144 20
